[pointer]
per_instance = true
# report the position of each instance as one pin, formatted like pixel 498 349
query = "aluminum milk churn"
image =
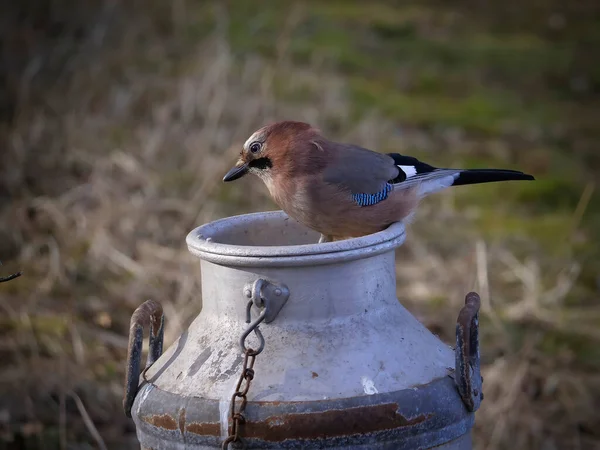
pixel 301 345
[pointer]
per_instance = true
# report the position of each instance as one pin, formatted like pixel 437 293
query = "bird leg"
pixel 325 238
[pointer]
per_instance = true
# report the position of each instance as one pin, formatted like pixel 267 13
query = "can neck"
pixel 317 293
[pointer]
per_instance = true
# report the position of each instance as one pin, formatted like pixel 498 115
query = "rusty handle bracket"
pixel 149 313
pixel 467 370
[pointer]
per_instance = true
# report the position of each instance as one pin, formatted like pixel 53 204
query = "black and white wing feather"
pixel 429 179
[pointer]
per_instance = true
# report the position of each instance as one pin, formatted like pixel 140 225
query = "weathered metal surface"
pixel 148 314
pixel 467 365
pixel 272 239
pixel 344 365
pixel 421 417
pixel 337 423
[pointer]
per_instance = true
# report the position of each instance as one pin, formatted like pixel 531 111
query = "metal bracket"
pixel 269 298
pixel 467 375
pixel 149 313
pixel 268 295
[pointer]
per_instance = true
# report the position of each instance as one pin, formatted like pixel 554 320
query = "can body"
pixel 345 365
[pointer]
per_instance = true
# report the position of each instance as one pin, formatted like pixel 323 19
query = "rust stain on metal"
pixel 204 429
pixel 332 423
pixel 182 420
pixel 161 420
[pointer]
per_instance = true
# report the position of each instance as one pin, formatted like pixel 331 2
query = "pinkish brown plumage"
pixel 342 190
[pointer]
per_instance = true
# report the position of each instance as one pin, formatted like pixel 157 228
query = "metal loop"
pixel 467 371
pixel 256 299
pixel 240 418
pixel 231 439
pixel 257 293
pixel 254 327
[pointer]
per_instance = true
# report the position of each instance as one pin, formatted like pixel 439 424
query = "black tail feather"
pixel 413 170
pixel 475 176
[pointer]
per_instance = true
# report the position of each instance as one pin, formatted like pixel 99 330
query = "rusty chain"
pixel 237 418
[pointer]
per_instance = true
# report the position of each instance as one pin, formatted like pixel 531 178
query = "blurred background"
pixel 119 119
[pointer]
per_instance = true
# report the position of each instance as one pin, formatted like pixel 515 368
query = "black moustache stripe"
pixel 261 163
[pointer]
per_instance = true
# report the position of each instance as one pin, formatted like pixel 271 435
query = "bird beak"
pixel 238 171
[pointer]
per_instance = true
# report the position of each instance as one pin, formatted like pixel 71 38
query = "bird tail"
pixel 440 179
pixel 429 179
pixel 437 180
pixel 476 176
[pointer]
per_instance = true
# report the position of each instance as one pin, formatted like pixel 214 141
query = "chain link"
pixel 237 418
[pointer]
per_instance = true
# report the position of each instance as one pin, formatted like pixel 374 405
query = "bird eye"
pixel 255 147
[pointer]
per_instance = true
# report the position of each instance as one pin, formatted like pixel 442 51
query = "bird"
pixel 342 190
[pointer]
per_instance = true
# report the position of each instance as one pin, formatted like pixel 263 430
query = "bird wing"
pixel 359 170
pixel 365 173
pixel 371 176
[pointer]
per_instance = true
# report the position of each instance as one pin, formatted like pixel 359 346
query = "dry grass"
pixel 532 400
pixel 112 159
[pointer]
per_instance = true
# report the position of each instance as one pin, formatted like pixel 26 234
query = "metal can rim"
pixel 203 243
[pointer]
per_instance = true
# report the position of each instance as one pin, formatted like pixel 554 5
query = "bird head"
pixel 268 149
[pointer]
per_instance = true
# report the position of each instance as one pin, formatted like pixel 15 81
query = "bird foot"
pixel 325 238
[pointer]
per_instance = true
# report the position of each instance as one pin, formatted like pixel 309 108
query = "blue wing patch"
pixel 372 199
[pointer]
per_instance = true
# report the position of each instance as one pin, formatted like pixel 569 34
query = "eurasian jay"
pixel 342 190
